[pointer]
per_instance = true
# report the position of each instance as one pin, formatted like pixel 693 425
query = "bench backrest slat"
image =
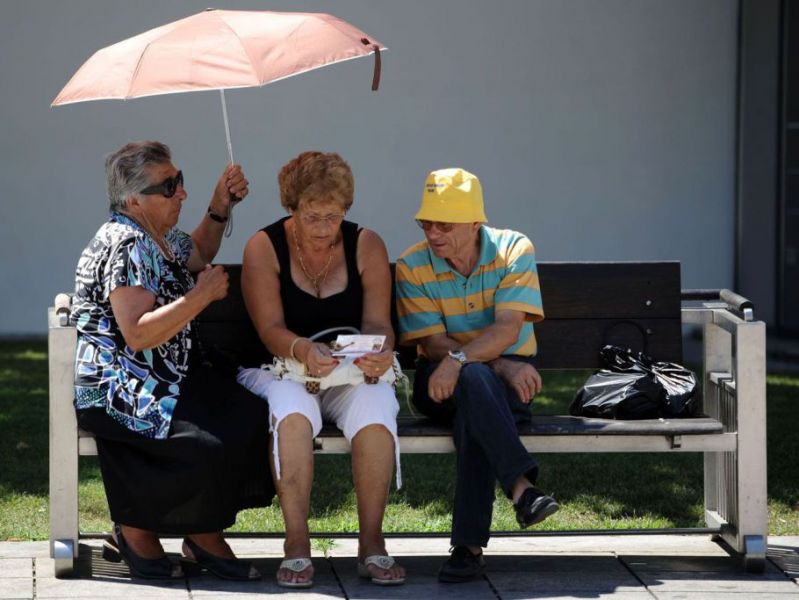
pixel 634 305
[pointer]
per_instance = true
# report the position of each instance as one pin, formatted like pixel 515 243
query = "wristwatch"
pixel 458 355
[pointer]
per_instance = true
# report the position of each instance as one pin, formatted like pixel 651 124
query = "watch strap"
pixel 216 217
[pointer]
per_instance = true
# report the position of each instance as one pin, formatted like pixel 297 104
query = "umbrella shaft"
pixel 227 126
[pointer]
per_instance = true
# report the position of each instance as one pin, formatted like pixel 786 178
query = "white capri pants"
pixel 349 407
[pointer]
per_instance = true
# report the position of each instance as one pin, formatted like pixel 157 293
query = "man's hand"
pixel 441 384
pixel 521 376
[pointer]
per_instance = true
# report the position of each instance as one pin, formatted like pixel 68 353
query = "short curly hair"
pixel 315 176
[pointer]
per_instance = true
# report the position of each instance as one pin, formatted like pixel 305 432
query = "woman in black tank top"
pixel 305 273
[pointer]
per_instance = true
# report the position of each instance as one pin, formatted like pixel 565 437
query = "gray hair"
pixel 126 170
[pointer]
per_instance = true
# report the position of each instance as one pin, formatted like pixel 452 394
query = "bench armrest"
pixel 735 302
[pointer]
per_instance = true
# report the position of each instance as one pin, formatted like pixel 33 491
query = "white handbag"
pixel 346 373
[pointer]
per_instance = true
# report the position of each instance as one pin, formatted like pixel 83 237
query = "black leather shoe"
pixel 462 566
pixel 233 569
pixel 533 507
pixel 144 568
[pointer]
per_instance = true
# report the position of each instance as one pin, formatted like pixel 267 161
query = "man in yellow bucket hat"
pixel 468 297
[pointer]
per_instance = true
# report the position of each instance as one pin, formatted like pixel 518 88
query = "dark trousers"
pixel 484 412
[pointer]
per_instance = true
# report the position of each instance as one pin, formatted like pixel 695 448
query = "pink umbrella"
pixel 218 49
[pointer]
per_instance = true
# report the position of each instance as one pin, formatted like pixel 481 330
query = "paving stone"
pixel 706 564
pixel 16 587
pixel 16 567
pixel 723 596
pixel 558 563
pixel 700 582
pixel 325 583
pixel 421 582
pixel 109 587
pixel 529 584
pixel 674 568
pixel 24 549
pixel 45 567
pixel 691 545
pixel 555 595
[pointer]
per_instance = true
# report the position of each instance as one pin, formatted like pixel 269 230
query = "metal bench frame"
pixel 734 455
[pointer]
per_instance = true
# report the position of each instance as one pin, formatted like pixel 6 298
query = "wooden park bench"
pixel 587 305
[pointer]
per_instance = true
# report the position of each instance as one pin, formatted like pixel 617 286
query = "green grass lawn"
pixel 595 490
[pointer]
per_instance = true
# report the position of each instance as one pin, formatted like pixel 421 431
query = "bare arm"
pixel 145 326
pixel 207 236
pixel 489 345
pixel 376 280
pixel 260 286
pixel 376 319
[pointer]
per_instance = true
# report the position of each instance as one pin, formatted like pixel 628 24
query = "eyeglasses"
pixel 167 188
pixel 314 219
pixel 440 225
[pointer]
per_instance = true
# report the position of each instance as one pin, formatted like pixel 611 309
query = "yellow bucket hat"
pixel 452 196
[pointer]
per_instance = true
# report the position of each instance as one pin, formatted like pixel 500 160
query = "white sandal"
pixel 381 562
pixel 295 565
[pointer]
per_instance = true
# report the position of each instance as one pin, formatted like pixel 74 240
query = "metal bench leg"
pixel 63 450
pixel 754 554
pixel 717 364
pixel 750 390
pixel 63 551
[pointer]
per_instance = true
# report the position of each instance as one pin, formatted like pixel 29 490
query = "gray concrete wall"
pixel 602 128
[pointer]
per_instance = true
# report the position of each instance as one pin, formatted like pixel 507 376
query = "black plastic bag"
pixel 633 386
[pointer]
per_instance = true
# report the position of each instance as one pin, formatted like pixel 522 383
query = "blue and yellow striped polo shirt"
pixel 434 298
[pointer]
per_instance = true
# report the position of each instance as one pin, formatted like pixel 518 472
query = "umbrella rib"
pixel 136 70
pixel 244 48
pixel 143 52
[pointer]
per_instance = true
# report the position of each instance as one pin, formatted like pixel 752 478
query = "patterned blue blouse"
pixel 138 389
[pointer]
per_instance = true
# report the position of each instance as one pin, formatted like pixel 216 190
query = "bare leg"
pixel 210 542
pixel 372 469
pixel 521 484
pixel 294 489
pixel 143 542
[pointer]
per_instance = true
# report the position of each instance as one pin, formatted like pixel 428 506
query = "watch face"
pixel 458 355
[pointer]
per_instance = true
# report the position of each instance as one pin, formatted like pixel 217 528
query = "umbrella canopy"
pixel 218 49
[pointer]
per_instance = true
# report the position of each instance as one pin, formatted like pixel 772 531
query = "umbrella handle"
pixel 376 75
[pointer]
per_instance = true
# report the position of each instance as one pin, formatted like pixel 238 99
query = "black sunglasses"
pixel 167 188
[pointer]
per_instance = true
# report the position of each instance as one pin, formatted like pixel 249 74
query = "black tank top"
pixel 304 313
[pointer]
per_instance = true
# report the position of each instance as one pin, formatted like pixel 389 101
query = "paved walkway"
pixel 626 567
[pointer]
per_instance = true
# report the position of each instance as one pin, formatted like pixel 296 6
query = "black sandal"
pixel 117 550
pixel 232 569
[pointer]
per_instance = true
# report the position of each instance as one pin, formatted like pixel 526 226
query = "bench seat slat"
pixel 566 425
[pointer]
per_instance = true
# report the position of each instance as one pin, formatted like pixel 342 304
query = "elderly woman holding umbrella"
pixel 181 446
pixel 306 273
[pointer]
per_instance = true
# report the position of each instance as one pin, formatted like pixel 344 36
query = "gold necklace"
pixel 318 280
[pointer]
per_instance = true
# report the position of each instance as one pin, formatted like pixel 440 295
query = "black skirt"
pixel 213 464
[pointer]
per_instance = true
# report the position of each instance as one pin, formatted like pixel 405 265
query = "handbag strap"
pixel 606 333
pixel 344 328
